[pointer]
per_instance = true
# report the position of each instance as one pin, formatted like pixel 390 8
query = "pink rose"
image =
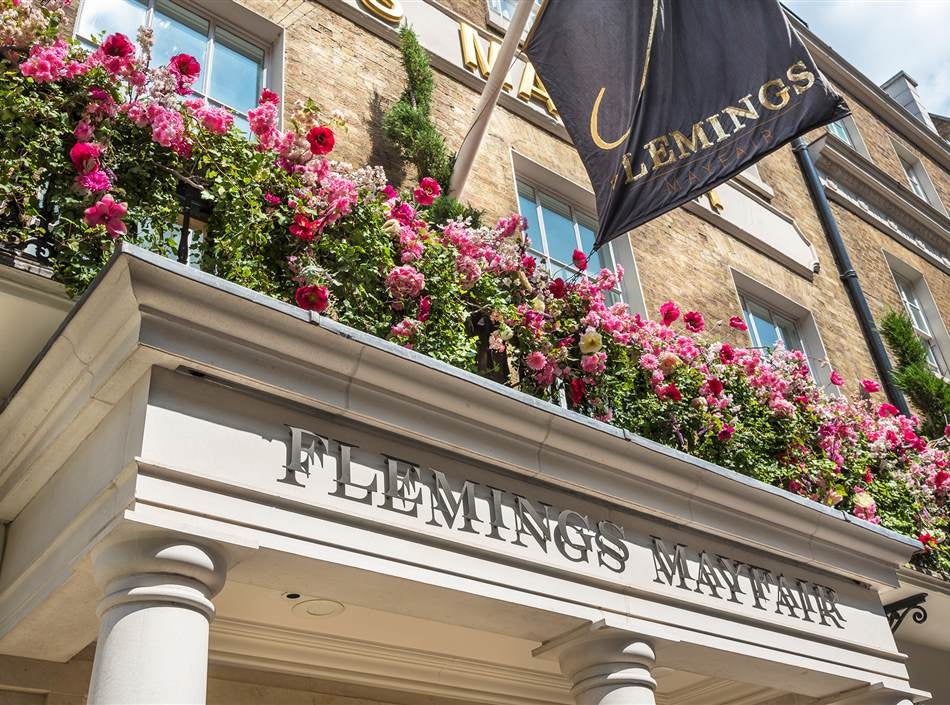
pixel 85 156
pixel 725 433
pixel 579 259
pixel 669 312
pixel 321 139
pixel 870 386
pixel 693 320
pixel 109 213
pixel 427 191
pixel 186 70
pixel 536 360
pixel 737 323
pixel 836 378
pixel 405 282
pixel 312 298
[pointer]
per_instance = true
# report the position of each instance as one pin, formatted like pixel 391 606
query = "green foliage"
pixel 409 124
pixel 929 393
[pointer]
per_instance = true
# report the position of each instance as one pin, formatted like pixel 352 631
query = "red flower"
pixel 946 430
pixel 321 139
pixel 312 298
pixel 118 46
pixel 669 312
pixel 727 354
pixel 85 157
pixel 836 378
pixel 578 390
pixel 693 320
pixel 303 227
pixel 928 540
pixel 580 260
pixel 670 391
pixel 528 263
pixel 268 96
pixel 941 478
pixel 186 69
pixel 558 290
pixel 737 323
pixel 714 386
pixel 885 410
pixel 427 192
pixel 725 433
pixel 870 386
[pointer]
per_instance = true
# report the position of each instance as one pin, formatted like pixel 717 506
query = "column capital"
pixel 607 666
pixel 158 568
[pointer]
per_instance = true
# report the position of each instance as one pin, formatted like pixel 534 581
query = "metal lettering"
pixel 299 457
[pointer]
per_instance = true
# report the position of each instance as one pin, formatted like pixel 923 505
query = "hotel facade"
pixel 208 495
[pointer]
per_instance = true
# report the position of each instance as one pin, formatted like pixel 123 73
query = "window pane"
pixel 789 333
pixel 529 210
pixel 594 262
pixel 178 31
pixel 237 71
pixel 559 229
pixel 839 130
pixel 764 332
pixel 110 16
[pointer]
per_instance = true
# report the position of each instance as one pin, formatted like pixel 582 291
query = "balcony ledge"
pixel 144 310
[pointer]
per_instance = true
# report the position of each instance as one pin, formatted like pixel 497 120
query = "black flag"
pixel 665 99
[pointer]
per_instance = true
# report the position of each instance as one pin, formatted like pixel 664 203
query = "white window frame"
pixel 751 290
pixel 917 179
pixel 231 17
pixel 850 128
pixel 498 21
pixel 582 201
pixel 915 295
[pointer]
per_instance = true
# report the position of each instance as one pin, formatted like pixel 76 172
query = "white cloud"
pixel 881 37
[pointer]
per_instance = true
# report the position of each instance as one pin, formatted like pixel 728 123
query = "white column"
pixel 154 620
pixel 609 667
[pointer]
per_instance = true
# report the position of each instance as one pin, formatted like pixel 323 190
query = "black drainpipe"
pixel 848 275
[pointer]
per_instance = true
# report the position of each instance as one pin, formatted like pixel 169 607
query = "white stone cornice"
pixel 147 310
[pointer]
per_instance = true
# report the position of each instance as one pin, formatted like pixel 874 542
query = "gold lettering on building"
pixel 389 10
pixel 473 56
pixel 531 87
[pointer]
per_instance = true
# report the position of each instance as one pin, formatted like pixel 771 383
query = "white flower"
pixel 591 342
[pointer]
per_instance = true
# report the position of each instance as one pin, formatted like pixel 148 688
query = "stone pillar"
pixel 609 667
pixel 154 617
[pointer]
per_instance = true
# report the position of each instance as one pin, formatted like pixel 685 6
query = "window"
pixel 232 67
pixel 911 298
pixel 839 130
pixel 768 328
pixel 500 13
pixel 913 178
pixel 557 229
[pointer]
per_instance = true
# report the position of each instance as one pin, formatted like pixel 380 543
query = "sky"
pixel 880 37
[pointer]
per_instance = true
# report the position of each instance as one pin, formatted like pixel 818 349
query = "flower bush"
pixel 98 143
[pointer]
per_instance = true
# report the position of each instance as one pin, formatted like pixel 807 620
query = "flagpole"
pixel 486 104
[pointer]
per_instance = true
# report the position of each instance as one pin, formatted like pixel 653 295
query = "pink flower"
pixel 218 121
pixel 83 131
pixel 85 156
pixel 116 55
pixel 109 213
pixel 272 199
pixel 321 139
pixel 427 192
pixel 580 260
pixel 405 282
pixel 528 264
pixel 870 386
pixel 95 181
pixel 304 227
pixel 725 433
pixel 648 361
pixel 186 69
pixel 312 298
pixel 389 193
pixel 670 391
pixel 263 119
pixel 727 354
pixel 46 63
pixel 536 360
pixel 558 288
pixel 693 320
pixel 268 96
pixel 737 323
pixel 595 364
pixel 836 378
pixel 425 306
pixel 669 312
pixel 885 410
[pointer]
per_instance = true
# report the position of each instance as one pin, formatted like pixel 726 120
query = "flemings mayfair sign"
pixel 495 514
